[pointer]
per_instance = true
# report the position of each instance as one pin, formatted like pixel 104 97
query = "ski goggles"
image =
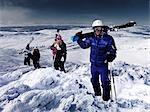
pixel 100 29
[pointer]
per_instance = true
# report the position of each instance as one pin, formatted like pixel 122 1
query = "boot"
pixel 97 90
pixel 106 93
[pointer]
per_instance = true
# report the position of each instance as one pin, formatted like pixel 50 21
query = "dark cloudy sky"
pixel 34 12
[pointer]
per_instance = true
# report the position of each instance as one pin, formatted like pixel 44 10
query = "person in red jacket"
pixel 59 53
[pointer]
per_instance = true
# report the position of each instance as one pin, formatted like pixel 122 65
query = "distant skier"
pixel 28 55
pixel 103 50
pixel 59 53
pixel 36 58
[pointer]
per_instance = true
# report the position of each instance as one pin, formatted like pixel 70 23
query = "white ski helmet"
pixel 97 23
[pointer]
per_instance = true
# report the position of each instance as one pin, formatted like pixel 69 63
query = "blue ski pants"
pixel 102 71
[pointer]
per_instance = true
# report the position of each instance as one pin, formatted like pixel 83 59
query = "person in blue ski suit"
pixel 103 50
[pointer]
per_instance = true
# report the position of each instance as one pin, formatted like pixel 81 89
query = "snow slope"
pixel 55 91
pixel 23 89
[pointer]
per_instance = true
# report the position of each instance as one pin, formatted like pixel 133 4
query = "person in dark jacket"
pixel 103 50
pixel 36 58
pixel 60 54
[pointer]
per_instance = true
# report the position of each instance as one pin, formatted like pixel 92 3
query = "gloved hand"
pixel 110 57
pixel 79 34
pixel 62 59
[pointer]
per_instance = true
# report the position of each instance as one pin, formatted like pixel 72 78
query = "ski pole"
pixel 114 103
pixel 113 85
pixel 110 85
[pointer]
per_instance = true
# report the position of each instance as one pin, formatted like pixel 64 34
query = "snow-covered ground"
pixel 23 89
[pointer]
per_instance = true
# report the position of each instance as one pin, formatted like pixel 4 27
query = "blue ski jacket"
pixel 103 49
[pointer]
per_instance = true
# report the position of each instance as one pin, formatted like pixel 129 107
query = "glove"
pixel 62 59
pixel 110 57
pixel 79 34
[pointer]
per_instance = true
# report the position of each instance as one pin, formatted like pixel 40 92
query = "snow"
pixel 23 89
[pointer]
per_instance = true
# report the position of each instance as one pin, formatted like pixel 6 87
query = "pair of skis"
pixel 106 29
pixel 22 50
pixel 31 40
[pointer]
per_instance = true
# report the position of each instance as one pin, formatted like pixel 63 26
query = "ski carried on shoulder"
pixel 28 44
pixel 106 29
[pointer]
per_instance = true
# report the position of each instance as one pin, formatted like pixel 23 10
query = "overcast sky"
pixel 35 12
